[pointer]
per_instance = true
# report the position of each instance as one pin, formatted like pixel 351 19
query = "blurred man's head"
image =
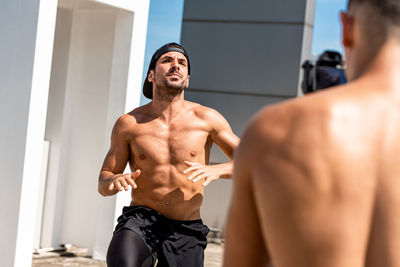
pixel 367 26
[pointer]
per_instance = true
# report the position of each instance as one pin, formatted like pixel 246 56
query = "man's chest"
pixel 170 144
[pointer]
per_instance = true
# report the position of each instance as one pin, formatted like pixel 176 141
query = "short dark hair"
pixel 379 20
pixel 387 10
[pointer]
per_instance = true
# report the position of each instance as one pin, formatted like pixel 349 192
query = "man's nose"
pixel 175 64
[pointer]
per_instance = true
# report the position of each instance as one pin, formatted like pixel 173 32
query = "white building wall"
pixel 56 131
pixel 244 55
pixel 27 29
pixel 98 55
pixel 88 84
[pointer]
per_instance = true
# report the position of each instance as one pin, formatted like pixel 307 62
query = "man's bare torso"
pixel 159 149
pixel 329 192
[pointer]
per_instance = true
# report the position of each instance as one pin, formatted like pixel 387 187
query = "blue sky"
pixel 165 18
pixel 327 29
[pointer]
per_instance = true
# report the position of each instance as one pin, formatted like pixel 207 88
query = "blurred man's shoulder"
pixel 297 118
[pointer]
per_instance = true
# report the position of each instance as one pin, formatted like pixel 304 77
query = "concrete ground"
pixel 213 258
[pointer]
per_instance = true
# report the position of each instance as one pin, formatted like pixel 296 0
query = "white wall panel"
pixel 27 30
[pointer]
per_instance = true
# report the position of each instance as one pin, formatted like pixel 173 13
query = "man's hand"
pixel 121 182
pixel 207 172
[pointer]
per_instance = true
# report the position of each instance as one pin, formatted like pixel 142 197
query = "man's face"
pixel 171 72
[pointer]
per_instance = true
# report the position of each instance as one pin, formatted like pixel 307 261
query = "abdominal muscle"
pixel 167 189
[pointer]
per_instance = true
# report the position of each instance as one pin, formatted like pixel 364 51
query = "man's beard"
pixel 167 90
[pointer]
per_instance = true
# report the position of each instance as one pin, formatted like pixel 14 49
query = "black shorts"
pixel 173 243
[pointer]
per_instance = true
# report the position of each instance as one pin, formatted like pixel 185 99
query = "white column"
pixel 27 32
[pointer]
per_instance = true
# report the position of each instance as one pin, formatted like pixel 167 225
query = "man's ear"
pixel 150 76
pixel 347 29
pixel 187 83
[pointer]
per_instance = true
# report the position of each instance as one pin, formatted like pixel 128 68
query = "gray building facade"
pixel 244 55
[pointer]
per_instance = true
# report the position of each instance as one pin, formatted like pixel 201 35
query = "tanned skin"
pixel 167 145
pixel 317 179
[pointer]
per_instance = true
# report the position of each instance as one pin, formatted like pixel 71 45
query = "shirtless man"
pixel 317 179
pixel 167 145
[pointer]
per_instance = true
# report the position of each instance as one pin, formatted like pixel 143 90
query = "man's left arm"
pixel 222 135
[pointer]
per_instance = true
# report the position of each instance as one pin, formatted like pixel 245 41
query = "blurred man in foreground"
pixel 317 179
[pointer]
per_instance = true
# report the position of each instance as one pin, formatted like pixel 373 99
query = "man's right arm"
pixel 111 178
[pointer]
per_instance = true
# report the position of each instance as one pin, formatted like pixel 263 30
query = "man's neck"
pixel 166 110
pixel 385 66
